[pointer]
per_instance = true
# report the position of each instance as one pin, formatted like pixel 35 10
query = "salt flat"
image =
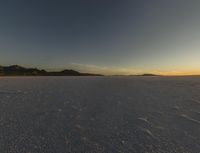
pixel 100 114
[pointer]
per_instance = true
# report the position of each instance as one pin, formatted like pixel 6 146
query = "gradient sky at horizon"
pixel 102 36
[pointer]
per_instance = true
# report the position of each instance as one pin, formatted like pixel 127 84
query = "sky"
pixel 102 36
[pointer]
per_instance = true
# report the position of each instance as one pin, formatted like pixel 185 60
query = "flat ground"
pixel 100 115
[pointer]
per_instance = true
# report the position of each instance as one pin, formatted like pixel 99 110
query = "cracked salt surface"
pixel 100 115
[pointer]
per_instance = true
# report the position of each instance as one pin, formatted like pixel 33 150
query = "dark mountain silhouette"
pixel 16 70
pixel 148 74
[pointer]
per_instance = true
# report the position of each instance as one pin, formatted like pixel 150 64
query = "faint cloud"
pixel 104 70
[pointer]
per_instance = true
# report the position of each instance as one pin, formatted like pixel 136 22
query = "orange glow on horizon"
pixel 177 73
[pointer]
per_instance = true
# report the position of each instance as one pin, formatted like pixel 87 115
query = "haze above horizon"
pixel 106 37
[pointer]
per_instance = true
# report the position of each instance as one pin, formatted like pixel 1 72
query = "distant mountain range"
pixel 149 74
pixel 16 70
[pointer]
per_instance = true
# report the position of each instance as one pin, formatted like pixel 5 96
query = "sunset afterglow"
pixel 108 37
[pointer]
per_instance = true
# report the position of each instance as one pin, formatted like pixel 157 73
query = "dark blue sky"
pixel 106 36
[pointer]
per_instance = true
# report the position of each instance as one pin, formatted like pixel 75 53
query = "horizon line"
pixel 135 74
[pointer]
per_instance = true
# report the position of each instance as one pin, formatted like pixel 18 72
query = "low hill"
pixel 148 74
pixel 16 70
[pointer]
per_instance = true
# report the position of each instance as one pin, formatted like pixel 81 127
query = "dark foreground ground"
pixel 100 115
